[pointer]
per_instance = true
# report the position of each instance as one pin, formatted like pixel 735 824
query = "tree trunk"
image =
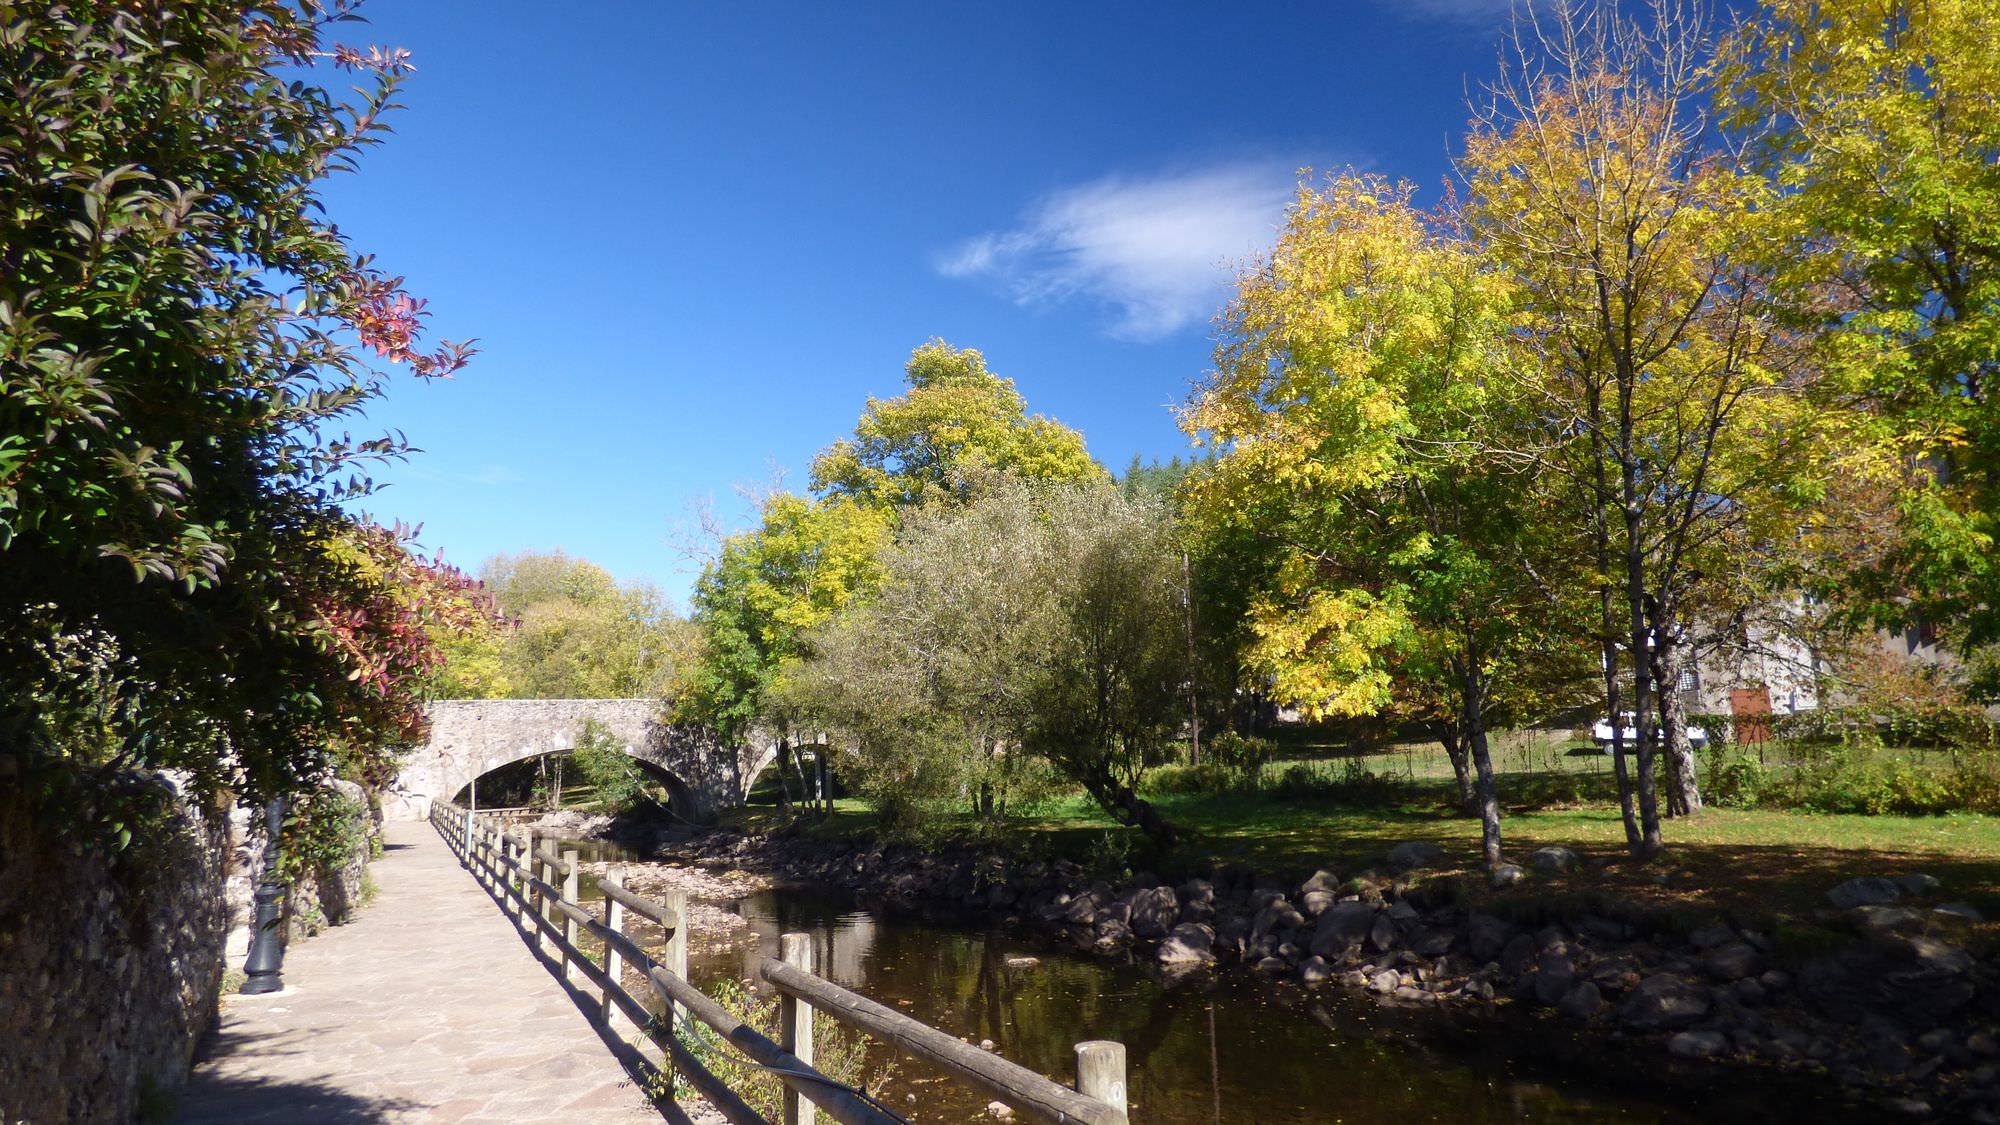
pixel 784 780
pixel 1473 733
pixel 1645 717
pixel 1461 763
pixel 1683 776
pixel 1600 533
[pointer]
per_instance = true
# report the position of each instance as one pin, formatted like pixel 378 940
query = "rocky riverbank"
pixel 1884 995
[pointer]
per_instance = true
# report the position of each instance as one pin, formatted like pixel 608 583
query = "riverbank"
pixel 1885 989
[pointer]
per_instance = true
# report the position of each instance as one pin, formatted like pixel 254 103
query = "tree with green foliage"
pixel 1674 399
pixel 1030 632
pixel 1360 400
pixel 182 333
pixel 1879 125
pixel 576 633
pixel 768 587
pixel 955 415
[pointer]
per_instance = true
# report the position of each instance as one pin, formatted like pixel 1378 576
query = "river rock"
pixel 1959 910
pixel 1708 937
pixel 1506 875
pixel 1082 910
pixel 1386 981
pixel 1732 962
pixel 1698 1044
pixel 1276 917
pixel 1553 978
pixel 1554 860
pixel 1314 903
pixel 1342 928
pixel 1432 943
pixel 1231 933
pixel 1581 1002
pixel 1322 880
pixel 1413 855
pixel 1486 936
pixel 1918 884
pixel 1272 965
pixel 1897 919
pixel 1382 934
pixel 1018 962
pixel 1661 1003
pixel 1189 943
pixel 1154 912
pixel 1865 891
pixel 1315 971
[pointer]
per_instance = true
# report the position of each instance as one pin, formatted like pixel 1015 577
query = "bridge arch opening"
pixel 551 781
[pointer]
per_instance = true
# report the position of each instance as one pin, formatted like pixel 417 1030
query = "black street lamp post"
pixel 267 936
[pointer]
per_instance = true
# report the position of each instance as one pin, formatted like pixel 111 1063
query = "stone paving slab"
pixel 428 1007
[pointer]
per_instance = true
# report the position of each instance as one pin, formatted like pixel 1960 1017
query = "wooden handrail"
pixel 1025 1090
pixel 788 1068
pixel 616 891
pixel 558 920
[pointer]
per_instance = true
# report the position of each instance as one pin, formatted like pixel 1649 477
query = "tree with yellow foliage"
pixel 1359 395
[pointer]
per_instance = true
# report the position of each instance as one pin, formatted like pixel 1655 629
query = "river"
pixel 1232 1048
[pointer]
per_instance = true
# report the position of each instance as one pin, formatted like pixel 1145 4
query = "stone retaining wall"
pixel 1895 1008
pixel 109 971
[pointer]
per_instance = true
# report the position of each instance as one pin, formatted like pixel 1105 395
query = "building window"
pixel 1688 681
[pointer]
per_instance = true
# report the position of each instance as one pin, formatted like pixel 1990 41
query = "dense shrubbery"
pixel 1848 779
pixel 183 336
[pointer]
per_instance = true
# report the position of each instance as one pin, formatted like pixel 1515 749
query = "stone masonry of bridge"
pixel 472 736
pixel 428 1007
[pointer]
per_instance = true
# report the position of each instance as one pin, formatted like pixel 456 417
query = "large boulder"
pixel 1277 916
pixel 1554 860
pixel 1155 912
pixel 1322 880
pixel 1341 929
pixel 1865 891
pixel 1733 961
pixel 1663 1003
pixel 1189 943
pixel 1486 936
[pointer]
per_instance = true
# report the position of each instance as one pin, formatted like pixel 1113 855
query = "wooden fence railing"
pixel 537 885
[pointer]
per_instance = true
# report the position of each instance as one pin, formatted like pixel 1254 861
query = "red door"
pixel 1750 708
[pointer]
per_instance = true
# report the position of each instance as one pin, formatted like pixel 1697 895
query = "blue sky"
pixel 692 240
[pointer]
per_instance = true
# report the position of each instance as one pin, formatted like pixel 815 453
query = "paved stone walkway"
pixel 428 1007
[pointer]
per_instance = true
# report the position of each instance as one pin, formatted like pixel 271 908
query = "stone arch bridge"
pixel 470 737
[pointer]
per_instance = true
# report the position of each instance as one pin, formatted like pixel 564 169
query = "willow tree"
pixel 1359 402
pixel 1669 390
pixel 1034 630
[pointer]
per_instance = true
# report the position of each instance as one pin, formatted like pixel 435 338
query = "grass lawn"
pixel 1749 863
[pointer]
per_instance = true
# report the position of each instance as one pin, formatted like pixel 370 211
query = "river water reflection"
pixel 1233 1049
pixel 1236 1049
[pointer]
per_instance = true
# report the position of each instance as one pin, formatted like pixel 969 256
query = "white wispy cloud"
pixel 1475 13
pixel 1161 251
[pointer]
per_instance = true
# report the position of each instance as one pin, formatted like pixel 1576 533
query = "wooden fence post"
pixel 573 891
pixel 1100 1071
pixel 532 867
pixel 674 958
pixel 614 961
pixel 795 1026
